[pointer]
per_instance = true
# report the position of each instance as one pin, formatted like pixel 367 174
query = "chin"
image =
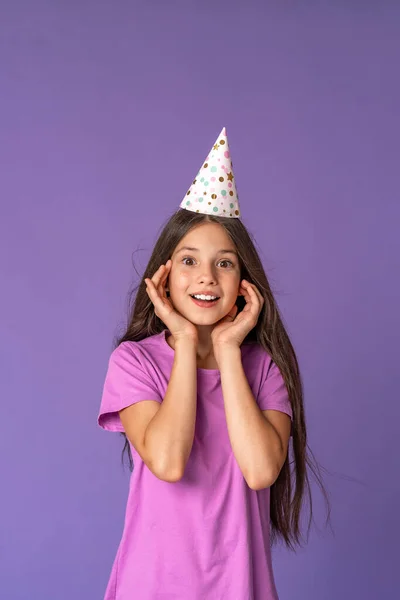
pixel 206 321
pixel 195 319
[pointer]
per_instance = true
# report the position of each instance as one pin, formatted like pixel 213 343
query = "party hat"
pixel 213 192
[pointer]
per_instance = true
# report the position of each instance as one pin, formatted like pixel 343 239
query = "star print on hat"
pixel 213 192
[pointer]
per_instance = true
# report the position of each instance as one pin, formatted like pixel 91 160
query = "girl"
pixel 205 386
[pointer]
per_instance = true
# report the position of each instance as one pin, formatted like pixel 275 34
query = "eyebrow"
pixel 188 248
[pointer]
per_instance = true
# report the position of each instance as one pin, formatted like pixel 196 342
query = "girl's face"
pixel 204 262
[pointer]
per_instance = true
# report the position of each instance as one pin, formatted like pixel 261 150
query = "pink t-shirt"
pixel 206 536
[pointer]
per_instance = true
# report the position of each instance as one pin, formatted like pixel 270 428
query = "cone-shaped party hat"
pixel 213 192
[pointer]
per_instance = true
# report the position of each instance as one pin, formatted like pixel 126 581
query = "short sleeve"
pixel 273 393
pixel 126 383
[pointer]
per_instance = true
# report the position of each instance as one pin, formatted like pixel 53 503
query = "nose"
pixel 207 275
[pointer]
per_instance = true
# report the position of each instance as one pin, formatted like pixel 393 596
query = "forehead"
pixel 207 236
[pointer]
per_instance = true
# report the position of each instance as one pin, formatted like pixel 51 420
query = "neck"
pixel 205 347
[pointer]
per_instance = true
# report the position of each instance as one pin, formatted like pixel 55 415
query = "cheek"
pixel 233 283
pixel 235 291
pixel 179 280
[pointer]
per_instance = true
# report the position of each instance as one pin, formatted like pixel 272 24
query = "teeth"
pixel 203 297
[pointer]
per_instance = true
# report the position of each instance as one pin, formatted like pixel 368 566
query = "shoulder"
pixel 126 351
pixel 255 349
pixel 137 353
pixel 255 354
pixel 259 364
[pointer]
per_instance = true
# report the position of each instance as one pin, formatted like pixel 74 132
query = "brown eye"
pixel 186 258
pixel 230 264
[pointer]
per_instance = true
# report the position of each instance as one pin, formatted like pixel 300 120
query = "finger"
pixel 162 272
pixel 158 275
pixel 252 301
pixel 251 286
pixel 244 293
pixel 166 270
pixel 260 296
pixel 154 295
pixel 253 294
pixel 255 304
pixel 152 289
pixel 163 280
pixel 243 289
pixel 257 294
pixel 160 284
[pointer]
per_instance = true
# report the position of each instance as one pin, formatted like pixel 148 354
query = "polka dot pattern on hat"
pixel 217 168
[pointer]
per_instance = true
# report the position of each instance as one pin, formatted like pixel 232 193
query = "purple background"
pixel 107 112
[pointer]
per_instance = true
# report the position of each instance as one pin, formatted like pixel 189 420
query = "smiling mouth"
pixel 205 303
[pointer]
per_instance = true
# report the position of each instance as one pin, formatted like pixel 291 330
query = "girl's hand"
pixel 177 325
pixel 232 329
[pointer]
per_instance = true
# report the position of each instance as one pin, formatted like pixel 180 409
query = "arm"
pixel 169 435
pixel 162 431
pixel 166 436
pixel 260 448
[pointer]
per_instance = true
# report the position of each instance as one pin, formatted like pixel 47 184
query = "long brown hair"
pixel 288 491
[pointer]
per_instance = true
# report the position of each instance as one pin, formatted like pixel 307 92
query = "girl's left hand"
pixel 232 329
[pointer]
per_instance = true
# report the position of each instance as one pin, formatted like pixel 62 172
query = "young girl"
pixel 205 386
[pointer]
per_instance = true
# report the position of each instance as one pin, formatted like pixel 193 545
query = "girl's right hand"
pixel 176 324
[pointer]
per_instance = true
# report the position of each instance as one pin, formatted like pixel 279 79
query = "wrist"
pixel 185 343
pixel 226 353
